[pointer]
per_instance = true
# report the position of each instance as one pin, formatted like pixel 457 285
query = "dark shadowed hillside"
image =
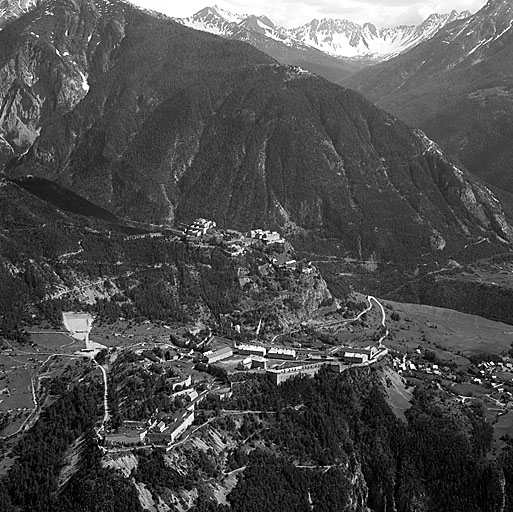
pixel 64 199
pixel 458 88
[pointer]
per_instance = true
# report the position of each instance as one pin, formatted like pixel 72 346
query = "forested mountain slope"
pixel 458 88
pixel 157 122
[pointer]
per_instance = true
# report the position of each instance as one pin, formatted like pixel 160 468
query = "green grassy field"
pixel 15 377
pixel 54 341
pixel 448 330
pixel 20 363
pixel 5 464
pixel 398 396
pixel 16 397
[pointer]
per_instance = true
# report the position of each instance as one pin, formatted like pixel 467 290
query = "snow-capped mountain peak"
pixel 228 16
pixel 344 38
pixel 237 26
pixel 214 20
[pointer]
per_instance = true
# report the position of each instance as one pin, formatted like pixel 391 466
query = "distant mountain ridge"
pixel 334 37
pixel 260 31
pixel 343 38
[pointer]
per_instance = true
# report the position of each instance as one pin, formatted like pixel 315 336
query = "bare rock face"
pixel 12 9
pixel 46 64
pixel 6 152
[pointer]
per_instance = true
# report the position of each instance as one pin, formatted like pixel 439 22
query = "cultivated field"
pixel 15 387
pixel 503 426
pixel 22 365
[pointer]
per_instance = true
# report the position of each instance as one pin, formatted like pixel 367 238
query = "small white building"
pixel 356 358
pixel 245 364
pixel 222 393
pixel 336 367
pixel 192 394
pixel 359 355
pixel 268 237
pixel 180 424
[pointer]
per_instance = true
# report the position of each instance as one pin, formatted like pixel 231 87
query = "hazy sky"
pixel 291 13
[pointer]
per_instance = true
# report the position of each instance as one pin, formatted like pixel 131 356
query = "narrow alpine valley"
pixel 230 282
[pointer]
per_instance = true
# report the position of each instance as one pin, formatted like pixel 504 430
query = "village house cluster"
pixel 235 244
pixel 493 378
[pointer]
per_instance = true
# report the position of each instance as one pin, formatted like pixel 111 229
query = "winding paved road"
pixel 370 298
pixel 105 397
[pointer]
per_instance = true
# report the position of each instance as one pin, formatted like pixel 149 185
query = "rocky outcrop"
pixel 12 9
pixel 47 64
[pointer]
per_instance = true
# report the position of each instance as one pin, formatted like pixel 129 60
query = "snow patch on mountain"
pixel 478 32
pixel 214 20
